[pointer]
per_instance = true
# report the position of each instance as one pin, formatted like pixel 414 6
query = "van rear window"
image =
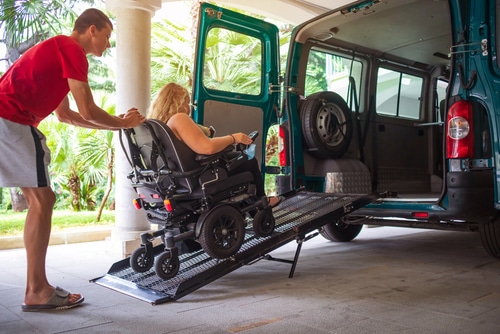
pixel 330 72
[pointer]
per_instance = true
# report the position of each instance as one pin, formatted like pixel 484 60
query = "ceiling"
pixel 289 11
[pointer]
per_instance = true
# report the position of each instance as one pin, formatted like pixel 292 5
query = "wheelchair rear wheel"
pixel 222 232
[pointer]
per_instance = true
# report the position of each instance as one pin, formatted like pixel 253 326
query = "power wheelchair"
pixel 194 199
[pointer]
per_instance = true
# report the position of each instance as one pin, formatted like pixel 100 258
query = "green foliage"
pixel 5 200
pixel 171 55
pixel 77 154
pixel 272 159
pixel 315 78
pixel 34 20
pixel 232 60
pixel 101 76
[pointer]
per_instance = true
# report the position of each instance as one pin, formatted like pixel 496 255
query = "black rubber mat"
pixel 295 217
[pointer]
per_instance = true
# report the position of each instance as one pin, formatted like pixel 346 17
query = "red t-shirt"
pixel 38 81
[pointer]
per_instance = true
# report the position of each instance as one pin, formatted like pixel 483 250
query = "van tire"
pixel 490 237
pixel 340 231
pixel 327 125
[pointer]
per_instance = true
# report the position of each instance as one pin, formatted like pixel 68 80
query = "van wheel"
pixel 340 231
pixel 490 237
pixel 326 125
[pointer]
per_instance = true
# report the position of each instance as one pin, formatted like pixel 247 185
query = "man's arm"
pixel 89 114
pixel 66 115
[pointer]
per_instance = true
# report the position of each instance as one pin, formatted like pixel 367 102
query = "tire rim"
pixel 225 232
pixel 331 124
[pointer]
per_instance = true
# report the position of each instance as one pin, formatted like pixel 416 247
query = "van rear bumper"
pixel 469 198
pixel 471 195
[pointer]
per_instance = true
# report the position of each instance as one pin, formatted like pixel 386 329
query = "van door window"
pixel 398 94
pixel 330 72
pixel 233 62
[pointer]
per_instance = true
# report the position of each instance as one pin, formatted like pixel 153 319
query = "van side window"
pixel 232 62
pixel 398 94
pixel 330 72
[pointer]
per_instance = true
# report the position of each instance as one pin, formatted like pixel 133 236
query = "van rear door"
pixel 236 73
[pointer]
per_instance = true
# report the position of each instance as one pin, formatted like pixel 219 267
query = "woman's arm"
pixel 188 131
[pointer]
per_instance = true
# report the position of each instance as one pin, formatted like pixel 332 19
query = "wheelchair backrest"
pixel 153 146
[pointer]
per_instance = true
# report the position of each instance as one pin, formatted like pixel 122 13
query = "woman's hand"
pixel 241 138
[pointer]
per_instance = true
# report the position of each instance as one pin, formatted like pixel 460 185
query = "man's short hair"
pixel 90 17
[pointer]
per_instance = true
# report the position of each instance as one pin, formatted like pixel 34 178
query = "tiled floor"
pixel 389 280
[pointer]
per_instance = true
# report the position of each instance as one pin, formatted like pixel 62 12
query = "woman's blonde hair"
pixel 170 100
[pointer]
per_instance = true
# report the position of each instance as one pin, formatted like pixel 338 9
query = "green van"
pixel 397 97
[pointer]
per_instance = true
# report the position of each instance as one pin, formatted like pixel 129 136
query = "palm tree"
pixel 28 22
pixel 98 155
pixel 169 63
pixel 65 162
pixel 24 24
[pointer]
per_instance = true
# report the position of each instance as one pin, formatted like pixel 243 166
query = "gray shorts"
pixel 24 157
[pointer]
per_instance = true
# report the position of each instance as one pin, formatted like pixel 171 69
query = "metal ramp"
pixel 298 215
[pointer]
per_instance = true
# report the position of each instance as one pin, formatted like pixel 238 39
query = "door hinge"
pixel 471 48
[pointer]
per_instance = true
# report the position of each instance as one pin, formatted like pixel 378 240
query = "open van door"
pixel 236 74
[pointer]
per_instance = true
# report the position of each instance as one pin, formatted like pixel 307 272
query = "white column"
pixel 133 84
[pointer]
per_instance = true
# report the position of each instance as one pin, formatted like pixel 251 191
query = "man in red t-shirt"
pixel 36 85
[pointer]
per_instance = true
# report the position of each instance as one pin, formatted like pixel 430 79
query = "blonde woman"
pixel 171 106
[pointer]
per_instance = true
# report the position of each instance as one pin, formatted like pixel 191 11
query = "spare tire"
pixel 327 125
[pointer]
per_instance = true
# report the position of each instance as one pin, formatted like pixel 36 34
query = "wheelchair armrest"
pixel 204 159
pixel 236 161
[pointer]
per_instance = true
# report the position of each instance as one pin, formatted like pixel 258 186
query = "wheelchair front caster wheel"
pixel 263 222
pixel 141 260
pixel 167 265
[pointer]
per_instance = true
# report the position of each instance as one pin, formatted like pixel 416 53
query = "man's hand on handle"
pixel 132 118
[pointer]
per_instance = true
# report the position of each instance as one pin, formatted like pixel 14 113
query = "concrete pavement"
pixel 388 280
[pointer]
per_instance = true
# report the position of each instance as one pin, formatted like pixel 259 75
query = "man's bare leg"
pixel 36 240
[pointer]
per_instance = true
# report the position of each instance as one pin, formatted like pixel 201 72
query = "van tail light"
pixel 282 147
pixel 459 131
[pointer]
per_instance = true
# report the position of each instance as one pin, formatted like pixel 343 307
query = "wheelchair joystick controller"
pixel 253 135
pixel 249 150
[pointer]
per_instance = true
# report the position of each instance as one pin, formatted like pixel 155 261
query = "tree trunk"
pixel 74 190
pixel 109 186
pixel 19 203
